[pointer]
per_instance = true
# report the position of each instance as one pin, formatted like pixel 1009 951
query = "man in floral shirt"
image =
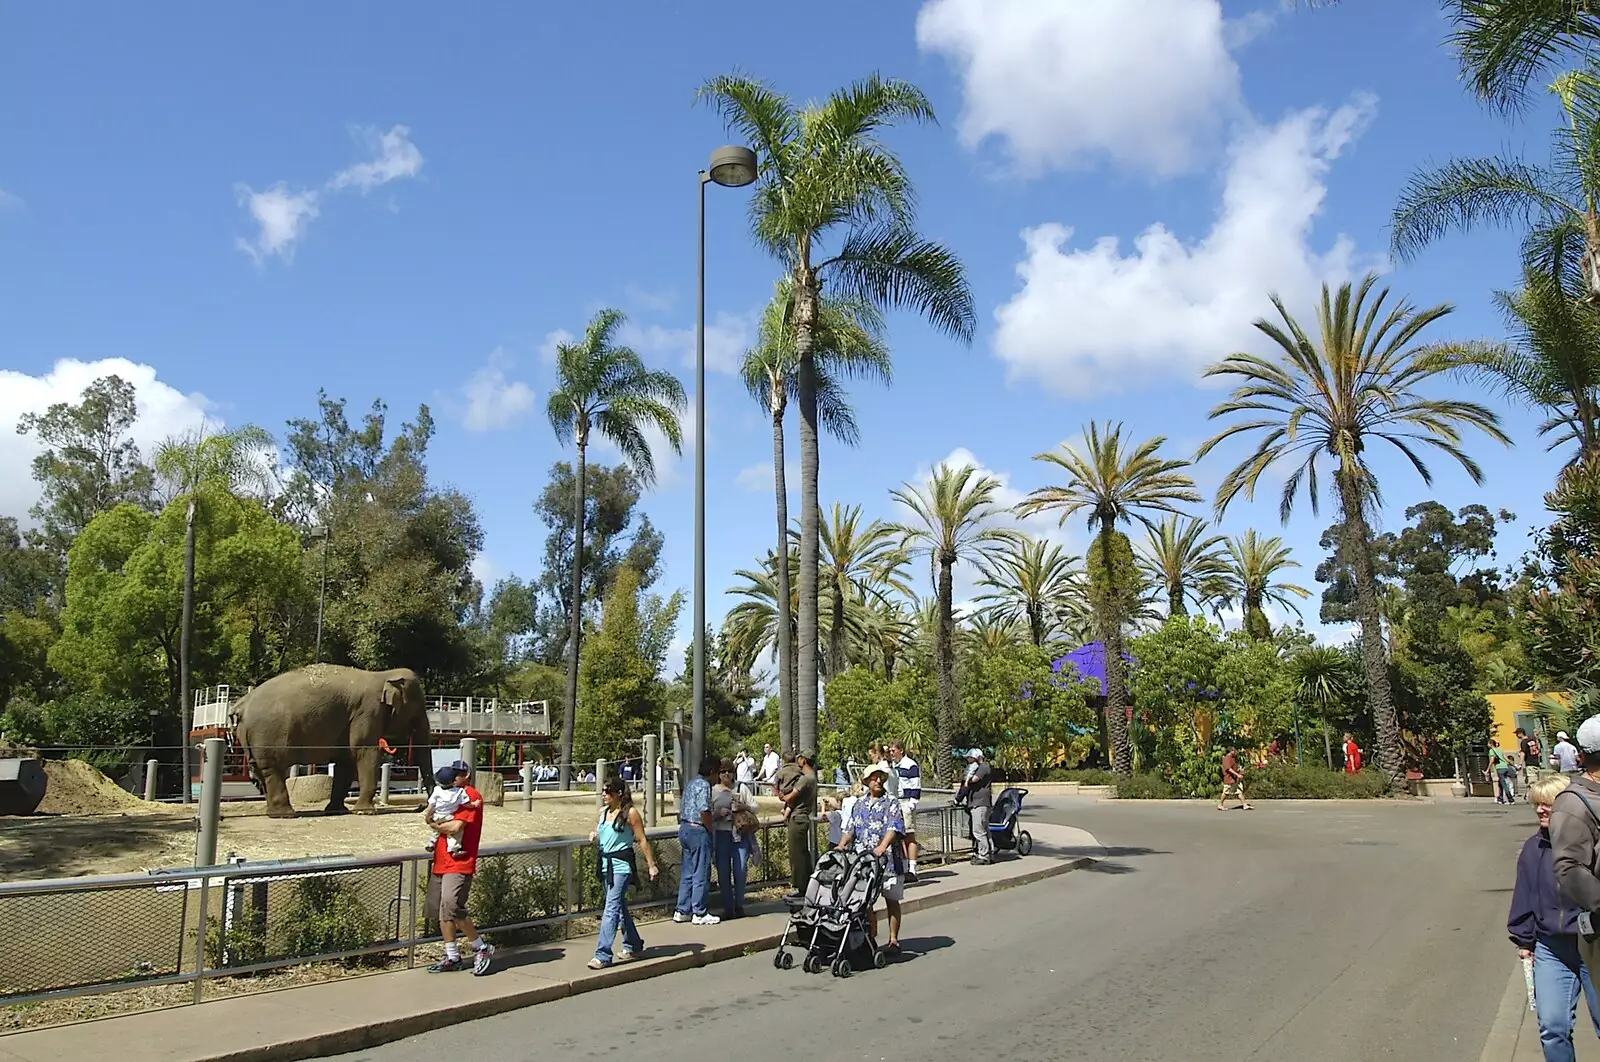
pixel 874 827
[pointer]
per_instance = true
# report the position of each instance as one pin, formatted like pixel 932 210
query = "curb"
pixel 364 1037
pixel 1501 1046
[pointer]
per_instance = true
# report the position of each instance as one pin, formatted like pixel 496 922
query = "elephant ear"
pixel 393 691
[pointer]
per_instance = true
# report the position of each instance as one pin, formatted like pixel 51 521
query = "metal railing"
pixel 81 936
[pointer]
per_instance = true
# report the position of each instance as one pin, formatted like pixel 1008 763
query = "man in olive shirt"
pixel 800 808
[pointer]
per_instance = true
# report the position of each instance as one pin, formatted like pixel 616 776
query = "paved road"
pixel 1296 931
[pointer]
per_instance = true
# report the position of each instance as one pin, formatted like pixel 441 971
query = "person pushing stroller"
pixel 874 825
pixel 974 793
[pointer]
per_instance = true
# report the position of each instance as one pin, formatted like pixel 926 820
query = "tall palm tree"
pixel 856 560
pixel 753 625
pixel 1031 582
pixel 606 389
pixel 848 343
pixel 989 633
pixel 887 631
pixel 1250 578
pixel 827 180
pixel 1504 44
pixel 1184 562
pixel 950 520
pixel 1334 393
pixel 1321 676
pixel 1559 201
pixel 1112 480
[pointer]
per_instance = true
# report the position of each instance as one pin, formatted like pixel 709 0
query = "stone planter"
pixel 310 790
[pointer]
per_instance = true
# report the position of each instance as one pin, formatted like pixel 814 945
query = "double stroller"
pixel 832 924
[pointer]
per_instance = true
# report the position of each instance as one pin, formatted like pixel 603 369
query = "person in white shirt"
pixel 744 773
pixel 770 764
pixel 909 790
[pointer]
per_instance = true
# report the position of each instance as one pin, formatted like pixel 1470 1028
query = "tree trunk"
pixel 1380 699
pixel 1327 745
pixel 1175 603
pixel 836 631
pixel 1116 677
pixel 946 663
pixel 805 298
pixel 783 617
pixel 185 631
pixel 1036 625
pixel 570 715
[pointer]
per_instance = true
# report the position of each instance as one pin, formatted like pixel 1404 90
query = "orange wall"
pixel 1503 708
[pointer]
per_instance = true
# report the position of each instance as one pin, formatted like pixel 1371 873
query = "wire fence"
pixel 82 936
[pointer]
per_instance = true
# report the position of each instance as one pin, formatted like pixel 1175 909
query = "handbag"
pixel 746 822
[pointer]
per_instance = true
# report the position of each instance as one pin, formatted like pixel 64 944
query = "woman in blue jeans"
pixel 694 838
pixel 1544 927
pixel 619 829
pixel 727 844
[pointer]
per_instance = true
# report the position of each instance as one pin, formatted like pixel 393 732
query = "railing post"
pixel 650 796
pixel 469 752
pixel 527 787
pixel 599 782
pixel 200 937
pixel 385 773
pixel 152 772
pixel 411 935
pixel 205 853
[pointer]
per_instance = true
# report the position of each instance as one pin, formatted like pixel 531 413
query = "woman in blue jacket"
pixel 1544 926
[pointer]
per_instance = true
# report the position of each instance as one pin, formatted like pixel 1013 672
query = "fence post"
pixel 152 772
pixel 527 787
pixel 384 774
pixel 677 745
pixel 469 752
pixel 205 854
pixel 294 770
pixel 650 796
pixel 599 782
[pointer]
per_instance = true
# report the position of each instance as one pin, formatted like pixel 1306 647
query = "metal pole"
pixel 650 796
pixel 1296 705
pixel 322 594
pixel 152 771
pixel 697 741
pixel 527 787
pixel 599 782
pixel 205 853
pixel 384 774
pixel 677 745
pixel 183 648
pixel 469 752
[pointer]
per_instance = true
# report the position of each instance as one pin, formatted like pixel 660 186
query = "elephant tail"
pixel 242 738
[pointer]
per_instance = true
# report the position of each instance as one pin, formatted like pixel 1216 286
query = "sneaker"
pixel 707 919
pixel 448 965
pixel 596 964
pixel 911 877
pixel 481 958
pixel 624 956
pixel 679 917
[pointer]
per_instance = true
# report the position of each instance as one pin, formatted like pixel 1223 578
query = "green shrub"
pixel 1083 776
pixel 1144 787
pixel 505 892
pixel 1288 782
pixel 244 943
pixel 323 915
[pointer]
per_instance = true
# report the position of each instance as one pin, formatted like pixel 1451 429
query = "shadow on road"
pixel 916 947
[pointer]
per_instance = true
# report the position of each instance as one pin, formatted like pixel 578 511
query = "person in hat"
pixel 450 879
pixel 799 814
pixel 875 823
pixel 446 799
pixel 1575 839
pixel 1564 754
pixel 974 793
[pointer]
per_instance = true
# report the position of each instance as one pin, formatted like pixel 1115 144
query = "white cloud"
pixel 758 477
pixel 486 571
pixel 1092 320
pixel 646 299
pixel 551 341
pixel 9 201
pixel 1062 83
pixel 728 335
pixel 281 217
pixel 493 400
pixel 394 157
pixel 163 411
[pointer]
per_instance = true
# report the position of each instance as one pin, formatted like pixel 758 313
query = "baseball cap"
pixel 1561 735
pixel 1589 734
pixel 974 754
pixel 445 775
pixel 461 767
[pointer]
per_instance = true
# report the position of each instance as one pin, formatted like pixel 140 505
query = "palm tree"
pixel 1352 384
pixel 887 631
pixel 1252 565
pixel 1321 676
pixel 1560 201
pixel 1113 481
pixel 826 176
pixel 1504 44
pixel 605 388
pixel 989 634
pixel 848 342
pixel 1184 563
pixel 857 560
pixel 1034 583
pixel 949 520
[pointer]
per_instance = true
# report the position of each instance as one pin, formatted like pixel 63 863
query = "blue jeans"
pixel 695 875
pixel 1507 778
pixel 730 857
pixel 617 916
pixel 1558 974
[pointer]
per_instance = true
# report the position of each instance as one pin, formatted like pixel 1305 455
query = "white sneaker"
pixel 680 917
pixel 707 920
pixel 482 958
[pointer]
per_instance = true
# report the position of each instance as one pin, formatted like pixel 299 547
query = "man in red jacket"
pixel 451 880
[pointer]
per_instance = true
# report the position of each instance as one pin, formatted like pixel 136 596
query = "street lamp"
pixel 316 533
pixel 731 166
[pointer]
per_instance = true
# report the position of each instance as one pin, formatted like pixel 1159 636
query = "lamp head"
pixel 732 166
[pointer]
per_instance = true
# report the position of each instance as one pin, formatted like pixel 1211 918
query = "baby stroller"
pixel 833 922
pixel 1004 831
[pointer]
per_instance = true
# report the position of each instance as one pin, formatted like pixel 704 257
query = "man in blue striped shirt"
pixel 910 788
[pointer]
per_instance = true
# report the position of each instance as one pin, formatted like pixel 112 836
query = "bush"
pixel 1084 776
pixel 1288 782
pixel 505 893
pixel 1144 787
pixel 324 915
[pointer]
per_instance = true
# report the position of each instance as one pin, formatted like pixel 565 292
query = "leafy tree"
pixel 26 571
pixel 622 695
pixel 605 388
pixel 1255 687
pixel 950 521
pixel 512 616
pixel 825 175
pixel 89 464
pixel 1035 583
pixel 862 707
pixel 1561 618
pixel 1251 568
pixel 1339 596
pixel 1353 384
pixel 1184 563
pixel 1174 682
pixel 847 341
pixel 1112 481
pixel 1013 703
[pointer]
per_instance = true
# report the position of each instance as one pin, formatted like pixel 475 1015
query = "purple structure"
pixel 1088 662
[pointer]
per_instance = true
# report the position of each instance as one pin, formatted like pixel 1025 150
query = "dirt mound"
pixel 78 789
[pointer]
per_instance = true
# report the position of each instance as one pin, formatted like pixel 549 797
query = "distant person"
pixel 620 829
pixel 1232 781
pixel 1545 929
pixel 974 793
pixel 744 773
pixel 877 755
pixel 1352 755
pixel 1564 755
pixel 908 777
pixel 771 762
pixel 450 881
pixel 1505 775
pixel 841 777
pixel 1528 749
pixel 694 839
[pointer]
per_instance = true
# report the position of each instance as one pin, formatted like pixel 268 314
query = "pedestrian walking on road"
pixel 620 828
pixel 1352 755
pixel 1545 929
pixel 872 828
pixel 727 850
pixel 1564 755
pixel 908 775
pixel 800 810
pixel 1575 839
pixel 1528 749
pixel 450 880
pixel 1505 775
pixel 1233 781
pixel 694 839
pixel 974 792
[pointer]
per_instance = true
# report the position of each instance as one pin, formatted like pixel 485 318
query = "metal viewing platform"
pixel 486 716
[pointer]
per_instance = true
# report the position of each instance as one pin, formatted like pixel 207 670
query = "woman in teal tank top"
pixel 619 829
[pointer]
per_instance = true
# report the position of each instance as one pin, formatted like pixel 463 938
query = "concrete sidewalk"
pixel 360 1012
pixel 1515 1034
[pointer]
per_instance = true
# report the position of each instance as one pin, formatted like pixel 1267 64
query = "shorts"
pixel 1233 789
pixel 447 896
pixel 908 811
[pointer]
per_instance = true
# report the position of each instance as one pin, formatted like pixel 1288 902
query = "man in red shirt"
pixel 451 880
pixel 1232 781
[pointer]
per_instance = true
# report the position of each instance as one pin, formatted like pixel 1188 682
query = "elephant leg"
pixel 367 760
pixel 278 806
pixel 344 772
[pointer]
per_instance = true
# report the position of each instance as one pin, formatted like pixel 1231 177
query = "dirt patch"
pixel 75 788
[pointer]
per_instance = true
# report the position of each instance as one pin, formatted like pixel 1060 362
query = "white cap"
pixel 1561 735
pixel 1589 734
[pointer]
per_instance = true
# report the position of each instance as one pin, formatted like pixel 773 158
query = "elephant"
pixel 330 714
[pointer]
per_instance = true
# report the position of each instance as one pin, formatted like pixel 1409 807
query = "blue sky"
pixel 234 205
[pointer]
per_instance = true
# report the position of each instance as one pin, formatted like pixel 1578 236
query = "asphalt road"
pixel 1302 932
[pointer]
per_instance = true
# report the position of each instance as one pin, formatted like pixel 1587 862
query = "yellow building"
pixel 1511 710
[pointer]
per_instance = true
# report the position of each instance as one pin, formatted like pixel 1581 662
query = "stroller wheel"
pixel 1024 843
pixel 842 968
pixel 783 960
pixel 809 965
pixel 880 959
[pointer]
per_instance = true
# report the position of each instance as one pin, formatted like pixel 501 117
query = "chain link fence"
pixel 80 936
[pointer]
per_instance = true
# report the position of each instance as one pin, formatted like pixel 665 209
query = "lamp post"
pixel 732 167
pixel 321 532
pixel 185 627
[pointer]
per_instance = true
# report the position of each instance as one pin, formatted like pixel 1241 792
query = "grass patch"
pixel 1288 782
pixel 1085 776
